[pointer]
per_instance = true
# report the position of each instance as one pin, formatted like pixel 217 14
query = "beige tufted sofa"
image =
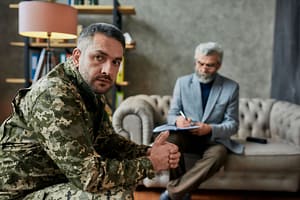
pixel 274 166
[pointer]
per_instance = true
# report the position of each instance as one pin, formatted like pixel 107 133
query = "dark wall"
pixel 168 31
pixel 11 58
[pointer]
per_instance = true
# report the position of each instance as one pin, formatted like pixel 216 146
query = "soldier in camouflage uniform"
pixel 59 142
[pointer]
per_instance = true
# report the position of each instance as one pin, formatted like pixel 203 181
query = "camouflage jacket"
pixel 59 132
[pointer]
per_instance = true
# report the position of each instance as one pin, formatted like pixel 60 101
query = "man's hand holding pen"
pixel 184 121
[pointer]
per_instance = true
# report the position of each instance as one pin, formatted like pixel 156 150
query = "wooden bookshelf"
pixel 56 45
pixel 44 44
pixel 104 9
pixel 15 80
pixel 96 9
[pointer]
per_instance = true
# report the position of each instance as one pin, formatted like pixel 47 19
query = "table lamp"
pixel 47 20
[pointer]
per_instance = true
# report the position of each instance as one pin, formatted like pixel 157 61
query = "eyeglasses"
pixel 208 65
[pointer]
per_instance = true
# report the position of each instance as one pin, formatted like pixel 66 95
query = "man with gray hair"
pixel 210 101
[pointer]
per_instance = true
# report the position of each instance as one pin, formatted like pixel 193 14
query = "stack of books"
pixel 83 2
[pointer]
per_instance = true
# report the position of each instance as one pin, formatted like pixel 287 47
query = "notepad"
pixel 169 127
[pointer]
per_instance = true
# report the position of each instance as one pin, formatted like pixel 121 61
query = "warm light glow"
pixel 38 19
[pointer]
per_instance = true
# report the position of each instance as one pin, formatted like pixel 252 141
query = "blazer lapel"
pixel 196 94
pixel 213 97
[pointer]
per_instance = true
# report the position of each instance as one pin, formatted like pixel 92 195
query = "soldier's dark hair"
pixel 108 30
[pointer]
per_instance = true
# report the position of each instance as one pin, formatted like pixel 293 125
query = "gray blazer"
pixel 221 111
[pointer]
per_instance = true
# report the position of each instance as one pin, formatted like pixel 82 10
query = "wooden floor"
pixel 153 194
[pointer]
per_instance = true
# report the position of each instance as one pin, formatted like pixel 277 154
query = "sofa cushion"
pixel 272 156
pixel 271 148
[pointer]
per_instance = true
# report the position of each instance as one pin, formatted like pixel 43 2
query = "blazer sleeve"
pixel 230 123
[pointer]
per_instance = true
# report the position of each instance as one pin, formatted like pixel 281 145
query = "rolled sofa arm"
pixel 285 122
pixel 134 119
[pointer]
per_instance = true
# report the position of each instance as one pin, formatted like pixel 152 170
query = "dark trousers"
pixel 212 157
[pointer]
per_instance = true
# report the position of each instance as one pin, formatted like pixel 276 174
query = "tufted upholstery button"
pixel 281 121
pixel 247 105
pixel 264 128
pixel 250 127
pixel 242 116
pixel 155 101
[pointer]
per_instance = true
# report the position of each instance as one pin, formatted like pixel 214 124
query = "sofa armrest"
pixel 285 122
pixel 134 119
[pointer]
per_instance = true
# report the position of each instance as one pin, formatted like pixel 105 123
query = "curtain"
pixel 286 52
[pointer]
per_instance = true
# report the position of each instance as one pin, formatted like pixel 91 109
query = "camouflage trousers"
pixel 67 191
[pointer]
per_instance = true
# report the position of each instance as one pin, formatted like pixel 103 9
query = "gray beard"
pixel 204 78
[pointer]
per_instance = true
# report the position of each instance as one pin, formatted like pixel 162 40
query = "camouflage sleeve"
pixel 122 147
pixel 59 123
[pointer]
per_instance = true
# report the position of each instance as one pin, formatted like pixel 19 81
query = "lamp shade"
pixel 43 19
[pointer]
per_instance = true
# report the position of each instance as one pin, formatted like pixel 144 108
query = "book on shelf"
pixel 39 68
pixel 34 62
pixel 63 56
pixel 83 2
pixel 38 40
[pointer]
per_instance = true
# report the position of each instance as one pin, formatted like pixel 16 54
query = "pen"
pixel 183 115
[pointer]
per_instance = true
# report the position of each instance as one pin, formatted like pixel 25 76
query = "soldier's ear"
pixel 75 56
